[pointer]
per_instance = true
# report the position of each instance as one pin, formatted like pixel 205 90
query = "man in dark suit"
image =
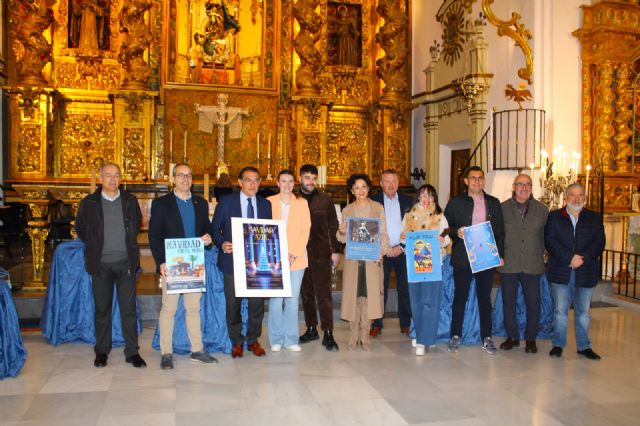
pixel 574 237
pixel 395 205
pixel 108 222
pixel 179 214
pixel 244 204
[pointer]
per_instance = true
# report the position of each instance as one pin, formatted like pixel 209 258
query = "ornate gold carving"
pixel 518 95
pixel 286 65
pixel 604 130
pixel 137 40
pixel 39 211
pixel 397 152
pixel 304 44
pixel 393 39
pixel 88 73
pixel 346 149
pixel 134 105
pixel 469 90
pixel 623 115
pixel 28 21
pixel 38 233
pixel 345 86
pixel 310 148
pixel 75 195
pixel 519 33
pixel 40 194
pixel 134 153
pixel 29 102
pixel 312 111
pixel 453 37
pixel 28 152
pixel 87 142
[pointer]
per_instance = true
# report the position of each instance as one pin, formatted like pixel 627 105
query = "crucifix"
pixel 220 115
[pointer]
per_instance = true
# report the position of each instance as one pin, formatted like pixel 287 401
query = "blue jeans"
pixel 283 314
pixel 425 308
pixel 399 264
pixel 563 295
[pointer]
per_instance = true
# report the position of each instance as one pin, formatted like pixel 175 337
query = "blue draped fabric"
pixel 12 351
pixel 68 310
pixel 546 312
pixel 215 337
pixel 471 325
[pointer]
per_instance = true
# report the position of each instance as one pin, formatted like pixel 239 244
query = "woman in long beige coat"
pixel 362 281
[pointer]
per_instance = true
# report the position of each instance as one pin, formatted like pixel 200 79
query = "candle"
pixel 543 175
pixel 269 147
pixel 258 149
pixel 206 186
pixel 92 188
pixel 171 146
pixel 185 147
pixel 586 189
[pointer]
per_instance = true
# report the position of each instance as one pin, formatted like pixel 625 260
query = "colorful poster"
pixel 481 247
pixel 363 239
pixel 260 260
pixel 422 251
pixel 184 258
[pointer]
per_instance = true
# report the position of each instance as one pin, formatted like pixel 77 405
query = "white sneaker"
pixel 276 348
pixel 419 350
pixel 413 342
pixel 294 348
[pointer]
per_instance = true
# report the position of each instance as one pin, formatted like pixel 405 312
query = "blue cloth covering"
pixel 12 351
pixel 215 337
pixel 471 325
pixel 68 310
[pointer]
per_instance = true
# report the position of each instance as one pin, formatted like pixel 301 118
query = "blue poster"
pixel 363 239
pixel 481 247
pixel 423 256
pixel 184 258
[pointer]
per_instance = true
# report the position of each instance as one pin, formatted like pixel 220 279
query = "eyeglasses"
pixel 476 178
pixel 522 185
pixel 184 175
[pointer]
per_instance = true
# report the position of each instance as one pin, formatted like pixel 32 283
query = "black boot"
pixel 310 335
pixel 328 342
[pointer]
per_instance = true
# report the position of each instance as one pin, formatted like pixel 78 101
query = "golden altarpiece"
pixel 218 83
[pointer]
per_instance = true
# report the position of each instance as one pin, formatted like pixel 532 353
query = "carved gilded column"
pixel 136 41
pixel 604 130
pixel 38 230
pixel 623 116
pixel 311 61
pixel 310 118
pixel 393 40
pixel 28 22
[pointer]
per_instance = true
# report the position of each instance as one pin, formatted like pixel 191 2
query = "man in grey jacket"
pixel 524 221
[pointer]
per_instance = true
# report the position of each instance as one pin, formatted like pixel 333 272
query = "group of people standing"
pixel 109 220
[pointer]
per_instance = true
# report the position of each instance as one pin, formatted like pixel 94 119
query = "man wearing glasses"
pixel 179 214
pixel 524 221
pixel 245 204
pixel 470 208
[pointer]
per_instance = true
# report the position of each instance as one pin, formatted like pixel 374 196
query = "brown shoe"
pixel 236 352
pixel 375 331
pixel 405 330
pixel 256 349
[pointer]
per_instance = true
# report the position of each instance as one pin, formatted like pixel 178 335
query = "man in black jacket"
pixel 470 208
pixel 108 222
pixel 179 214
pixel 574 238
pixel 395 206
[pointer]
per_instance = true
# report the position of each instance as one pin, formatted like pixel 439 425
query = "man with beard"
pixel 323 252
pixel 574 237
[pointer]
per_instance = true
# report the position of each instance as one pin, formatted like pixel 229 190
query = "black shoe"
pixel 310 335
pixel 328 341
pixel 100 361
pixel 589 353
pixel 556 351
pixel 509 344
pixel 531 347
pixel 136 360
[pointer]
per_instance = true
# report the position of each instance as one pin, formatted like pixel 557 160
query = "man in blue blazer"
pixel 395 206
pixel 574 238
pixel 245 204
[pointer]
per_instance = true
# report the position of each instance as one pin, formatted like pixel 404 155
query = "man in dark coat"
pixel 470 208
pixel 108 222
pixel 395 206
pixel 323 251
pixel 574 237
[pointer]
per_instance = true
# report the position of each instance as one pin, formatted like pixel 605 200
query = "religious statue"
pixel 29 19
pixel 305 44
pixel 392 37
pixel 137 40
pixel 89 24
pixel 344 39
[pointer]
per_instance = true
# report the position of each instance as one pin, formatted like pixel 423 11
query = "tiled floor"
pixel 389 386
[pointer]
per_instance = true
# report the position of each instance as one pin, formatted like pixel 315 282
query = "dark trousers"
pixel 234 317
pixel 398 264
pixel 531 292
pixel 315 293
pixel 125 282
pixel 462 277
